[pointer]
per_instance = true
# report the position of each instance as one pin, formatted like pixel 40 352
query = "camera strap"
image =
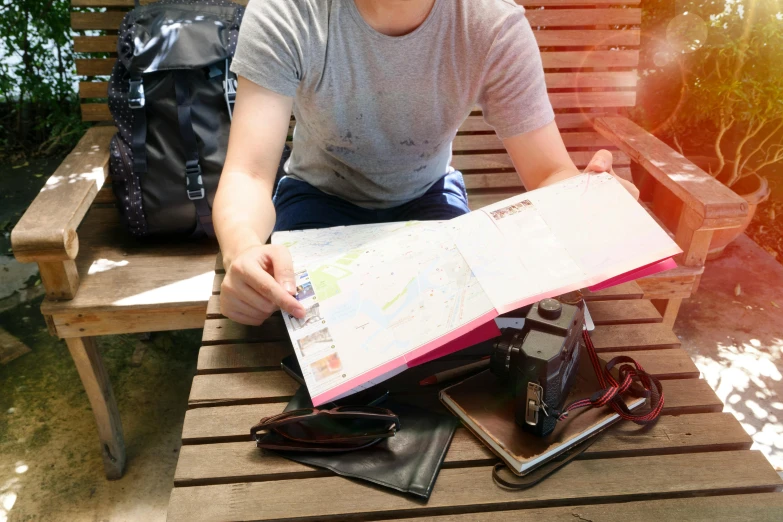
pixel 629 372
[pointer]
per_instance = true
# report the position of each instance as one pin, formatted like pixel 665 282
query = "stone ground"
pixel 50 466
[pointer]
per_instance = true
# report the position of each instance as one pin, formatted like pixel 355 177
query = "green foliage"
pixel 39 111
pixel 734 86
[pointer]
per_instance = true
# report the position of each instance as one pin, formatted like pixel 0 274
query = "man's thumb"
pixel 283 268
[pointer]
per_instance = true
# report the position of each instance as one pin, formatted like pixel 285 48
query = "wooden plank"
pixel 580 59
pixel 502 180
pixel 583 17
pixel 47 230
pixel 274 385
pixel 95 44
pixel 526 3
pixel 94 66
pixel 232 423
pixel 588 37
pixel 760 507
pixel 549 59
pixel 81 21
pixel 716 204
pixel 95 379
pixel 95 112
pixel 93 89
pixel 487 197
pixel 241 388
pixel 624 337
pixel 158 317
pixel 502 160
pixel 463 489
pixel 242 357
pixel 105 195
pixel 11 347
pixel 624 312
pixel 571 80
pixel 226 331
pixel 217 282
pixel 219 269
pixel 629 290
pixel 544 38
pixel 60 278
pixel 213 307
pixel 566 100
pixel 572 120
pixel 222 463
pixel 665 364
pixel 484 142
pixel 673 284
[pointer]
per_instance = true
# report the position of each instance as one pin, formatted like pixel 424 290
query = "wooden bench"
pixel 631 473
pixel 100 281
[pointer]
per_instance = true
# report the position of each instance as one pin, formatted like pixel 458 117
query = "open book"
pixel 383 298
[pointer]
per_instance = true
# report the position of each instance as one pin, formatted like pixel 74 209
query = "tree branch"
pixel 761 145
pixel 735 171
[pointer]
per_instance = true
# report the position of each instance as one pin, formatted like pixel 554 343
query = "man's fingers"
pixel 253 299
pixel 265 284
pixel 283 268
pixel 601 162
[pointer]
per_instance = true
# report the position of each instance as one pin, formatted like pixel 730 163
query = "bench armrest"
pixel 707 204
pixel 705 197
pixel 47 230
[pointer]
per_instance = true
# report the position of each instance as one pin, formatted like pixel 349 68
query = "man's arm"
pixel 259 277
pixel 540 158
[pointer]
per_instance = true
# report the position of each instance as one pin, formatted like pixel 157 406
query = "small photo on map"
pixel 315 342
pixel 327 366
pixel 510 210
pixel 304 291
pixel 312 316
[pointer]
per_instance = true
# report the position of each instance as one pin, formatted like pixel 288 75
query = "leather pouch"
pixel 408 462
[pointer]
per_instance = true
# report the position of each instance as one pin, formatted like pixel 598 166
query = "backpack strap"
pixel 194 185
pixel 136 102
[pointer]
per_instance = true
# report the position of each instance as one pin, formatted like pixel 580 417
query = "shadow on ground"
pixel 50 464
pixel 737 340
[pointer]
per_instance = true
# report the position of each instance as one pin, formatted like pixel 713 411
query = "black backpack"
pixel 171 95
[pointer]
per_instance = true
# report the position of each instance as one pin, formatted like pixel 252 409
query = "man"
pixel 379 89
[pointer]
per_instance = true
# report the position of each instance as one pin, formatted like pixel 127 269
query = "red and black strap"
pixel 629 372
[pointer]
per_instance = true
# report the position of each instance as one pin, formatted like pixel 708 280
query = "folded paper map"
pixel 383 298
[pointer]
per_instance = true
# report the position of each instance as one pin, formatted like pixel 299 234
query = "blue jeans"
pixel 300 206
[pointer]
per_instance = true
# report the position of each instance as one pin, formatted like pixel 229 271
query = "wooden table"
pixel 695 463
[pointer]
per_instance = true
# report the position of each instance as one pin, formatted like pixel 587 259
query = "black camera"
pixel 540 361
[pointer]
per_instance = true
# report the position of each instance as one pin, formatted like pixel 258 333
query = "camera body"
pixel 540 362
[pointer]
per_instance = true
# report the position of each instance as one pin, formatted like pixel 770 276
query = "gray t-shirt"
pixel 375 114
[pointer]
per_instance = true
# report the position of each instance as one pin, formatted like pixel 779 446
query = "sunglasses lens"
pixel 323 428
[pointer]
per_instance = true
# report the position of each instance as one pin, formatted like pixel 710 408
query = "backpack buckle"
pixel 229 90
pixel 136 94
pixel 194 185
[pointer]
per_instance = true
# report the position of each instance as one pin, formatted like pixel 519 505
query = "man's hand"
pixel 259 281
pixel 602 162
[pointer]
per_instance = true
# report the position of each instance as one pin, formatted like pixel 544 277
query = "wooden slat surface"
pixel 673 363
pixel 243 462
pixel 471 489
pixel 244 357
pixel 81 21
pixel 633 336
pixel 629 290
pixel 544 38
pixel 232 423
pixel 623 312
pixel 526 3
pixel 759 507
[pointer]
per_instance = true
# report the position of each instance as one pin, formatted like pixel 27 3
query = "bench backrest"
pixel 589 48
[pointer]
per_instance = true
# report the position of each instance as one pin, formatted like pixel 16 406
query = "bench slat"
pixel 242 462
pixel 232 423
pixel 556 3
pixel 629 290
pixel 760 507
pixel 82 21
pixel 620 312
pixel 462 489
pixel 674 363
pixel 544 38
pixel 625 337
pixel 244 357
